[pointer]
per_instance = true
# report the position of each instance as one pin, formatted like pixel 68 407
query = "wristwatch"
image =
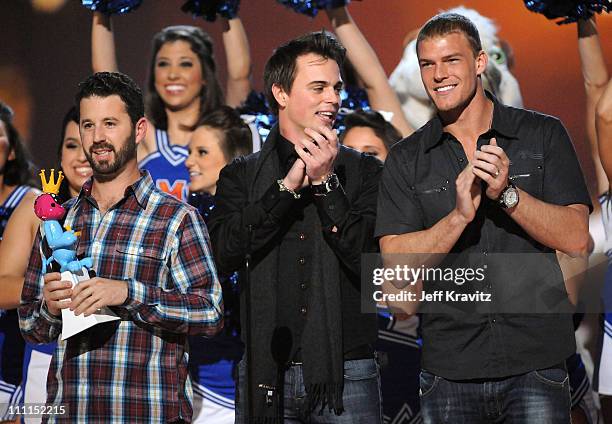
pixel 329 184
pixel 509 197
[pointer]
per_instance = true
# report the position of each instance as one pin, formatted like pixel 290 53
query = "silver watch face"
pixel 511 197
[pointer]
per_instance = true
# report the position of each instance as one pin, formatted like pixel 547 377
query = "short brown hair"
pixel 281 66
pixel 447 23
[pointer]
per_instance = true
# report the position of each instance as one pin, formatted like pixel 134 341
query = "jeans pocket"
pixel 427 383
pixel 556 377
pixel 360 369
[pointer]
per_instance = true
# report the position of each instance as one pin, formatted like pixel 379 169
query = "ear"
pixel 481 62
pixel 279 95
pixel 141 129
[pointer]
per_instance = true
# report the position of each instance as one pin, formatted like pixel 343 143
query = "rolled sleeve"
pixel 564 182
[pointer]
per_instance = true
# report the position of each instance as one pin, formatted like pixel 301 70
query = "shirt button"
pixel 302 236
pixel 301 261
pixel 303 286
pixel 303 310
pixel 460 160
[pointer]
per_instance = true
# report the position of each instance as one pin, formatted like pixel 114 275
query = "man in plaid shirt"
pixel 153 266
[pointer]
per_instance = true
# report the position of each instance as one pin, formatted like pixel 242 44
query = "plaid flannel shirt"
pixel 135 369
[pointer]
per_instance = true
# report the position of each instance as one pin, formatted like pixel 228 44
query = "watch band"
pixel 329 184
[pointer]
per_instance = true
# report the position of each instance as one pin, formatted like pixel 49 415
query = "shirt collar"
pixel 500 125
pixel 141 189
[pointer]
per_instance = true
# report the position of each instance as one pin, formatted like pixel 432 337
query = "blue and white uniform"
pixel 11 343
pixel 399 352
pixel 167 166
pixel 213 361
pixel 604 369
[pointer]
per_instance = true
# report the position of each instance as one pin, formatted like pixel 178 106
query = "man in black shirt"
pixel 304 210
pixel 479 180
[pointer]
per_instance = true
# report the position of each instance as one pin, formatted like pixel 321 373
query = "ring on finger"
pixel 496 172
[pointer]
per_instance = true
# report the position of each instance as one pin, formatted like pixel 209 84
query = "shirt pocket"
pixel 145 262
pixel 528 176
pixel 436 198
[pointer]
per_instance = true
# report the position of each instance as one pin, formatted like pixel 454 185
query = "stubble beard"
pixel 105 170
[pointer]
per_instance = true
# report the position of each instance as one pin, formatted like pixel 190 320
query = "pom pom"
pixel 203 202
pixel 569 10
pixel 111 7
pixel 209 9
pixel 256 106
pixel 311 7
pixel 353 98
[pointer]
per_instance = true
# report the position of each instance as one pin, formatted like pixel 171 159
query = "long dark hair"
pixel 71 116
pixel 17 171
pixel 211 95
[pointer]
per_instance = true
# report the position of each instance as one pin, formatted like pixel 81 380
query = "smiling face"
pixel 73 161
pixel 206 159
pixel 365 140
pixel 449 70
pixel 108 135
pixel 178 75
pixel 314 98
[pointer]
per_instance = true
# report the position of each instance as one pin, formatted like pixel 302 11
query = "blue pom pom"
pixel 353 99
pixel 111 7
pixel 209 9
pixel 568 10
pixel 311 7
pixel 257 106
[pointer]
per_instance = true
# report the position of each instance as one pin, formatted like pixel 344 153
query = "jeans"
pixel 539 397
pixel 361 396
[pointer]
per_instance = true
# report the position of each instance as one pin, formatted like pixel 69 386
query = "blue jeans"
pixel 539 397
pixel 361 396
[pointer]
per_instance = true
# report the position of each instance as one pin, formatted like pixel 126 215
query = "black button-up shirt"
pixel 296 245
pixel 346 216
pixel 418 189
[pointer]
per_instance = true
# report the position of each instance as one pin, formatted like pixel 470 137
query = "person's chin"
pixel 195 187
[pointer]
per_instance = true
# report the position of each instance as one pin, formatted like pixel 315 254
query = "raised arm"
pixel 103 56
pixel 368 67
pixel 604 129
pixel 595 75
pixel 238 57
pixel 15 249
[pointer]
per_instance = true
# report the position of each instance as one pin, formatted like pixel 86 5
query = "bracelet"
pixel 283 187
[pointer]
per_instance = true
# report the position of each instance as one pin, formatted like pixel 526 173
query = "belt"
pixel 365 351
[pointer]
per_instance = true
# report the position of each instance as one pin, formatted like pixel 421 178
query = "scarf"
pixel 321 342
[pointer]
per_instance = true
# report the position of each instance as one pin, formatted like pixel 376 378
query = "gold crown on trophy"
pixel 51 186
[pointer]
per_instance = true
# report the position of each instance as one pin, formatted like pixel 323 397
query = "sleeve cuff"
pixel 275 202
pixel 138 294
pixel 332 207
pixel 52 319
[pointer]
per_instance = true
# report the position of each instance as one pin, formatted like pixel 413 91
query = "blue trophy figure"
pixel 62 243
pixel 50 211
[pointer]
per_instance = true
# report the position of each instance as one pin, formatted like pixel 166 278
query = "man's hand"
pixel 296 177
pixel 492 166
pixel 469 194
pixel 54 291
pixel 91 295
pixel 322 148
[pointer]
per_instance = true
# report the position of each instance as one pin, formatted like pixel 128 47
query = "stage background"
pixel 44 55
